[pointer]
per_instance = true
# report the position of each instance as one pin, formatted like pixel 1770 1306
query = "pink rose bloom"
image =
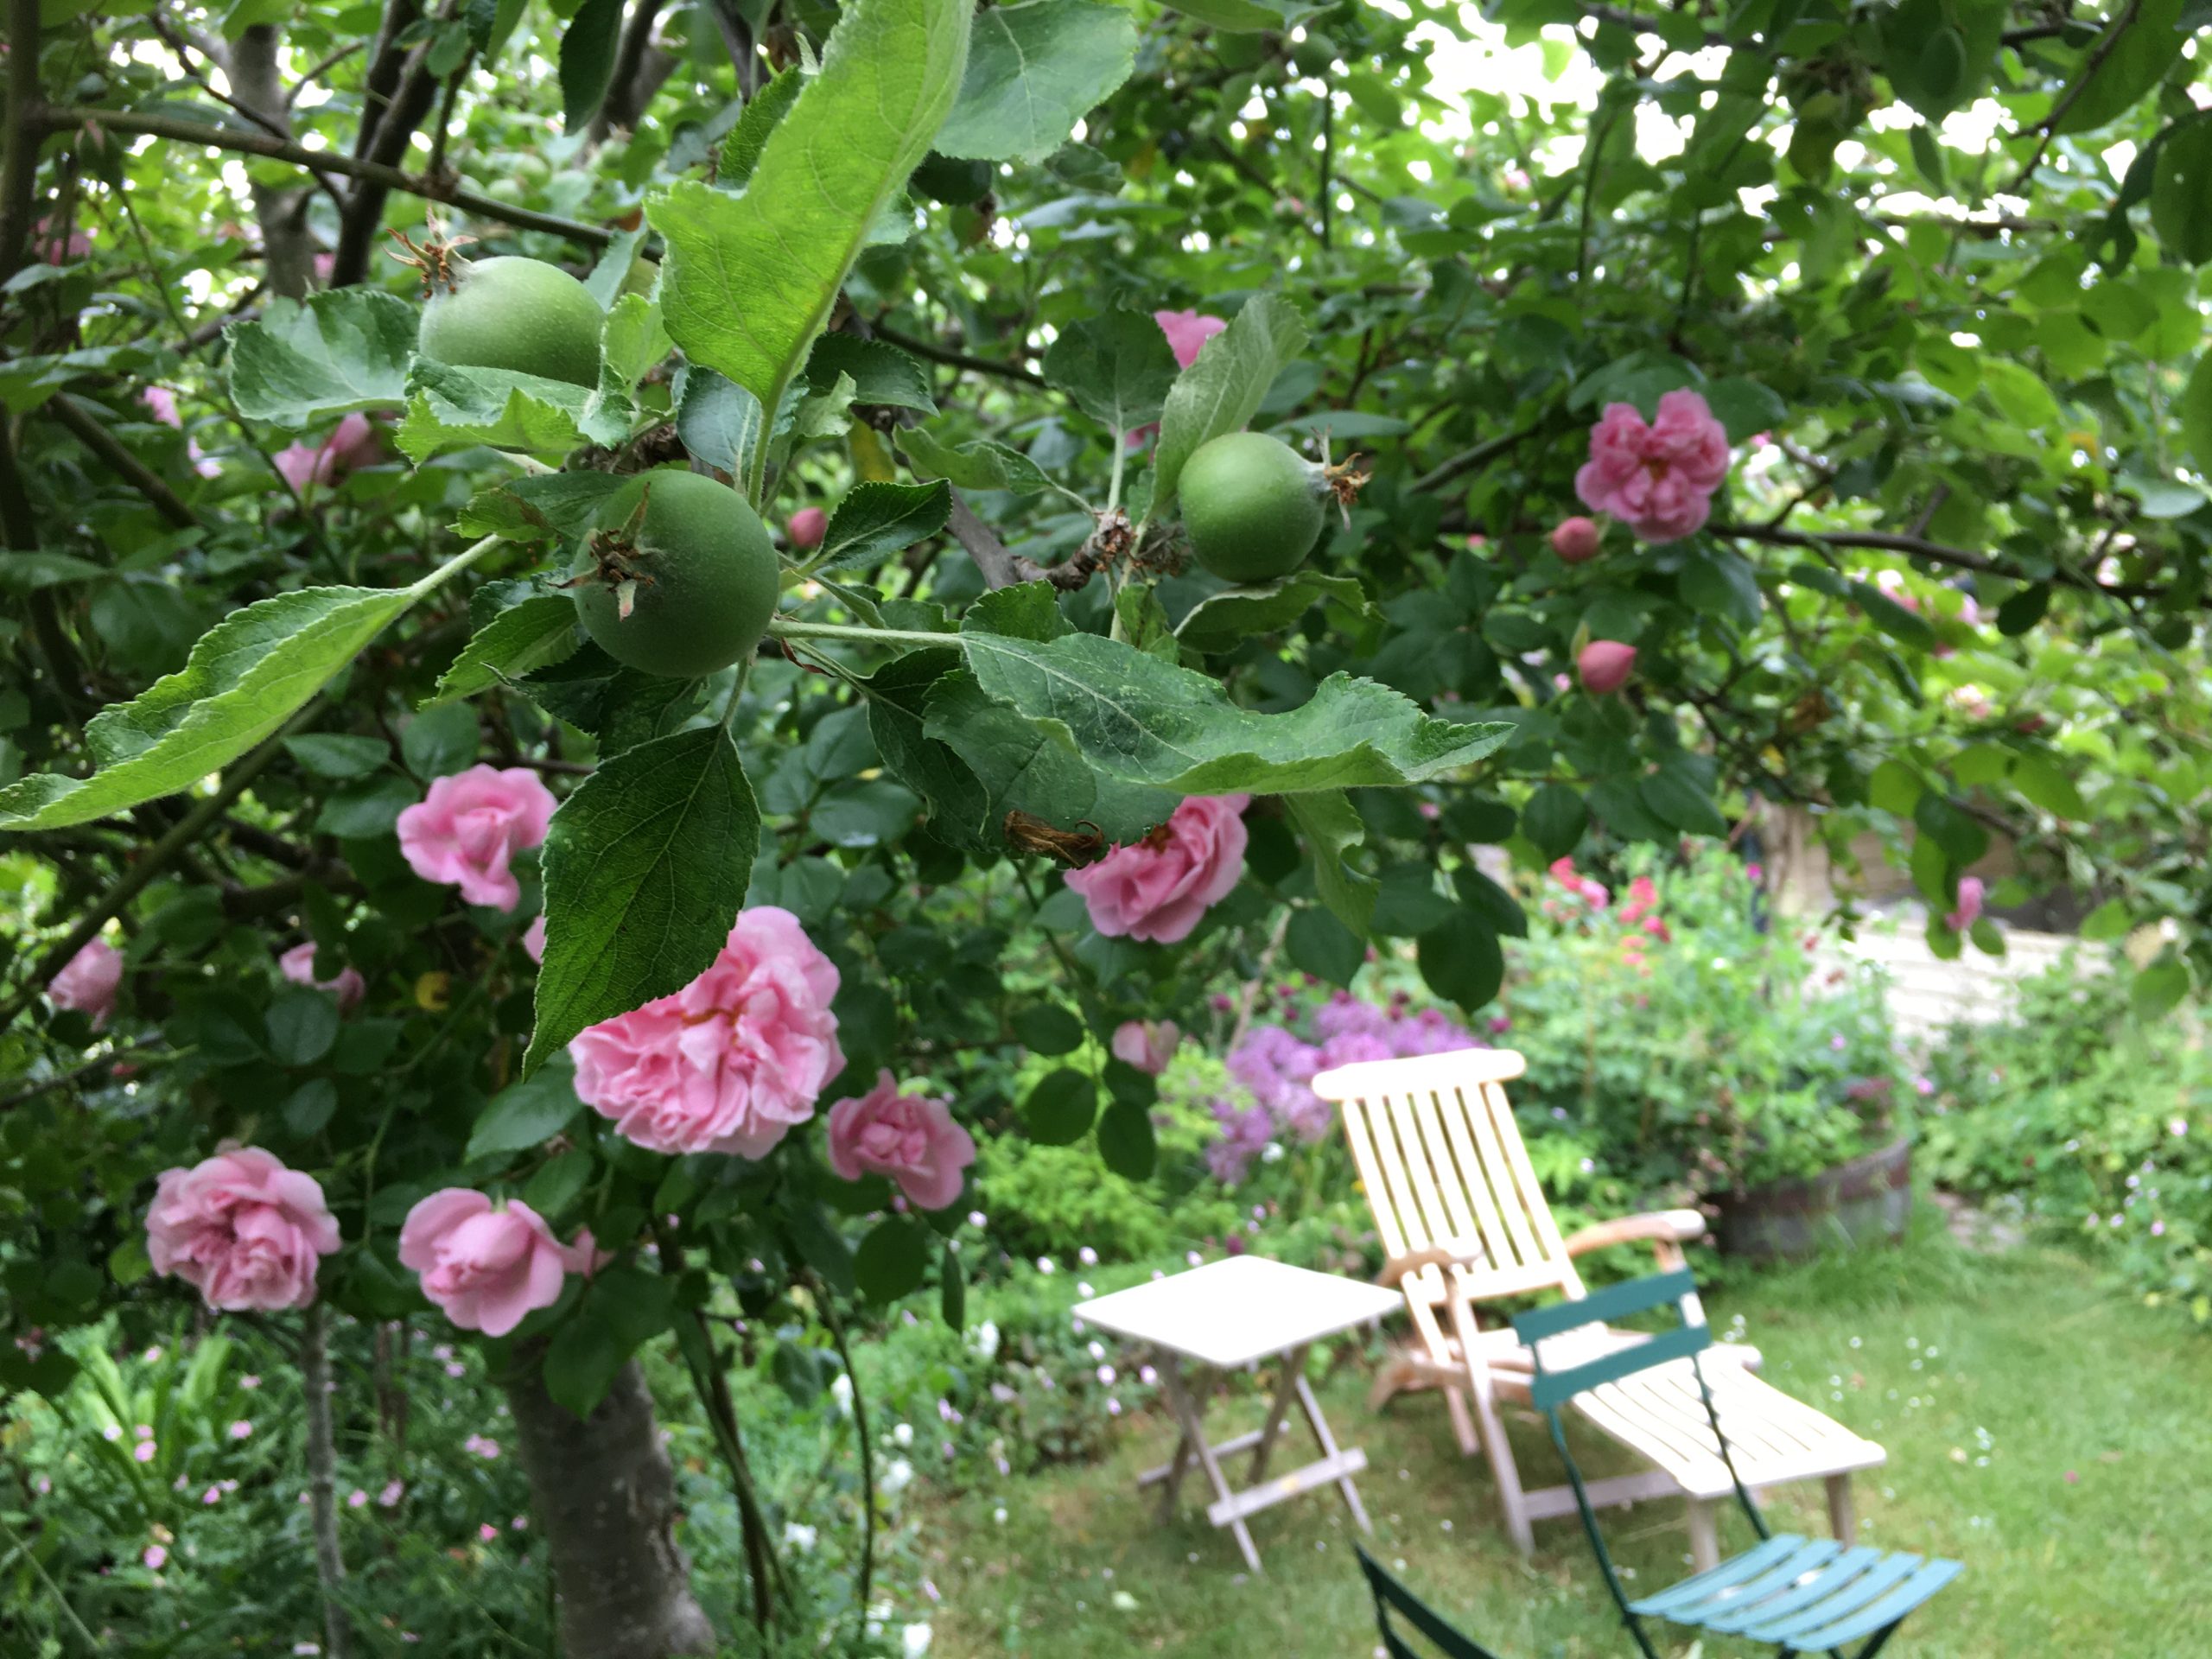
pixel 807 528
pixel 58 251
pixel 464 832
pixel 911 1139
pixel 88 982
pixel 1575 540
pixel 1604 666
pixel 1659 478
pixel 1970 893
pixel 1187 332
pixel 242 1229
pixel 352 443
pixel 1157 888
pixel 202 463
pixel 533 939
pixel 160 402
pixel 298 966
pixel 730 1062
pixel 1147 1045
pixel 487 1267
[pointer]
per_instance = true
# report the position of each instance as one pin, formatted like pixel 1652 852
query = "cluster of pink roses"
pixel 1157 888
pixel 1656 477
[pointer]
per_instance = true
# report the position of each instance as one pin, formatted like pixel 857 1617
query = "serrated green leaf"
pixel 1678 802
pixel 876 520
pixel 304 361
pixel 2118 71
pixel 898 696
pixel 2044 780
pixel 1222 389
pixel 526 1115
pixel 338 754
pixel 1331 827
pixel 521 638
pixel 881 374
pixel 979 464
pixel 587 49
pixel 719 421
pixel 632 342
pixel 741 149
pixel 1059 1110
pixel 1222 621
pixel 245 678
pixel 1149 723
pixel 645 868
pixel 1116 366
pixel 749 280
pixel 542 506
pixel 450 408
pixel 1034 71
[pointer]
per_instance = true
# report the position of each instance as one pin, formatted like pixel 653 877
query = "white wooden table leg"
pixel 1179 1400
pixel 1294 1368
pixel 1312 1410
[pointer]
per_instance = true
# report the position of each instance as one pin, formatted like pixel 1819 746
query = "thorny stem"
pixel 323 1481
pixel 867 1573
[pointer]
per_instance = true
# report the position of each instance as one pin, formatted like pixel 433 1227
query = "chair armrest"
pixel 1663 1228
pixel 1399 1269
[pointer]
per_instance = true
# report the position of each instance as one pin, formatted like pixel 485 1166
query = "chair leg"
pixel 1463 1425
pixel 1843 1518
pixel 1705 1534
pixel 1391 1379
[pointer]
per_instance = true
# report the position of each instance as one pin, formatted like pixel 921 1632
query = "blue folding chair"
pixel 1392 1597
pixel 1804 1595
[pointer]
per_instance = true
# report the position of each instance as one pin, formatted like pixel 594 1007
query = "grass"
pixel 2044 1430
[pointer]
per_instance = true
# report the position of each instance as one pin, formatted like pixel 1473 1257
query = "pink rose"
pixel 1970 893
pixel 1575 540
pixel 1591 891
pixel 1187 332
pixel 1604 665
pixel 911 1139
pixel 298 966
pixel 160 402
pixel 202 463
pixel 1658 479
pixel 464 832
pixel 57 249
pixel 730 1062
pixel 1147 1045
pixel 242 1229
pixel 353 444
pixel 807 528
pixel 88 982
pixel 1157 888
pixel 533 939
pixel 487 1267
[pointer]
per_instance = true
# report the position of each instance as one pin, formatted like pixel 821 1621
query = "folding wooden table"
pixel 1231 1315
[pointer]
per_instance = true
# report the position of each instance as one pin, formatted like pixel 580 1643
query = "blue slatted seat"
pixel 1804 1596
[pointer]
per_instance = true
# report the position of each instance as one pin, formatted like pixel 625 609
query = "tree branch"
pixel 1935 552
pixel 134 472
pixel 1468 460
pixel 635 80
pixel 257 143
pixel 2091 65
pixel 322 1481
pixel 952 358
pixel 983 545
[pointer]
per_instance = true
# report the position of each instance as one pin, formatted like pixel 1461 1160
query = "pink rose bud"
pixel 88 982
pixel 1575 540
pixel 1187 332
pixel 1147 1045
pixel 1658 480
pixel 298 966
pixel 807 528
pixel 464 832
pixel 1970 895
pixel 909 1138
pixel 243 1230
pixel 730 1062
pixel 160 401
pixel 1604 666
pixel 1157 888
pixel 487 1267
pixel 533 939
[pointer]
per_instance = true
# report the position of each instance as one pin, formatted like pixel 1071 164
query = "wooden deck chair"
pixel 1463 1223
pixel 1805 1596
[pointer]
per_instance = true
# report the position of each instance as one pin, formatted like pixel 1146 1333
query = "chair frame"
pixel 1494 1238
pixel 1392 1596
pixel 1910 1582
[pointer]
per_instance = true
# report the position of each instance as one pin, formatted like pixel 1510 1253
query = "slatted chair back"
pixel 1392 1598
pixel 1551 1385
pixel 1445 1173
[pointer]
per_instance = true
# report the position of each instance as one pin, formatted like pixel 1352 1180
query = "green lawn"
pixel 2049 1436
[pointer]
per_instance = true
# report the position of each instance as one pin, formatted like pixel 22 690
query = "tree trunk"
pixel 287 245
pixel 603 1493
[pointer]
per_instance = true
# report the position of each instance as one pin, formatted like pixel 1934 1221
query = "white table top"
pixel 1238 1310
